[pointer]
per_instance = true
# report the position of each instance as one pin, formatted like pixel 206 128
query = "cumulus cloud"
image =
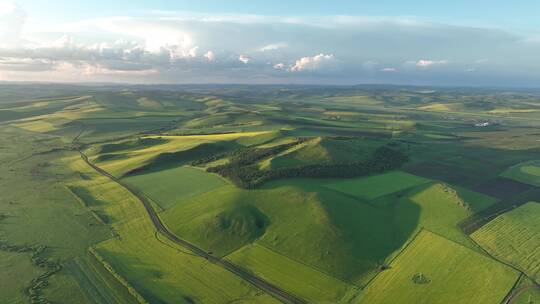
pixel 313 63
pixel 244 59
pixel 210 56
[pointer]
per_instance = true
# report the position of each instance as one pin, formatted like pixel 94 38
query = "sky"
pixel 455 43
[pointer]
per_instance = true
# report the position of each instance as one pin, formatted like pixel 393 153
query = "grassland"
pixel 433 269
pixel 121 162
pixel 168 187
pixel 155 267
pixel 320 239
pixel 47 216
pixel 325 236
pixel 513 237
pixel 228 218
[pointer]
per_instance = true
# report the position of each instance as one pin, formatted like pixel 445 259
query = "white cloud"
pixel 273 47
pixel 210 56
pixel 424 63
pixel 312 63
pixel 244 59
pixel 280 66
pixel 12 19
pixel 389 70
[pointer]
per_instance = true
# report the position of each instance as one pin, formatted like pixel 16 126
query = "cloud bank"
pixel 183 47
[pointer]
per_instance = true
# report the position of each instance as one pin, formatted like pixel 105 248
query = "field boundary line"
pixel 510 294
pixel 502 261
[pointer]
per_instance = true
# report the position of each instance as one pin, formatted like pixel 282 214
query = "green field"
pixel 170 186
pixel 327 235
pixel 370 188
pixel 154 266
pixel 309 283
pixel 528 173
pixel 514 237
pixel 433 269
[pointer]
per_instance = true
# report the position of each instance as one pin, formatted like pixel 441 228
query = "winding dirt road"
pixel 267 287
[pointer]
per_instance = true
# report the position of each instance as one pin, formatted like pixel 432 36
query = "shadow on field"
pixel 348 238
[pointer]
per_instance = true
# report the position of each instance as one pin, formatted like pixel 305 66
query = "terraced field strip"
pixel 262 284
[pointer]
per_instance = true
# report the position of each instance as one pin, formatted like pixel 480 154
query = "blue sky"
pixel 479 42
pixel 487 12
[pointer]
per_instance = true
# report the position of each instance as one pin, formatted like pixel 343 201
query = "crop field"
pixel 528 173
pixel 433 269
pixel 514 237
pixel 218 194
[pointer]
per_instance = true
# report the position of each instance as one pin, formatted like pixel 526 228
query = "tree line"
pixel 243 172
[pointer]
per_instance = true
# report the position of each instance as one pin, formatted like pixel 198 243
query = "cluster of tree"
pixel 249 176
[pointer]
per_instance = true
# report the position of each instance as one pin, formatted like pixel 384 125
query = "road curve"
pixel 262 284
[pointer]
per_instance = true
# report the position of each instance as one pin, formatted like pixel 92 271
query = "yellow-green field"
pixel 296 277
pixel 434 270
pixel 515 237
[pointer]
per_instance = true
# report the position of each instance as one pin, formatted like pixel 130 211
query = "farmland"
pixel 264 194
pixel 432 264
pixel 528 173
pixel 513 236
